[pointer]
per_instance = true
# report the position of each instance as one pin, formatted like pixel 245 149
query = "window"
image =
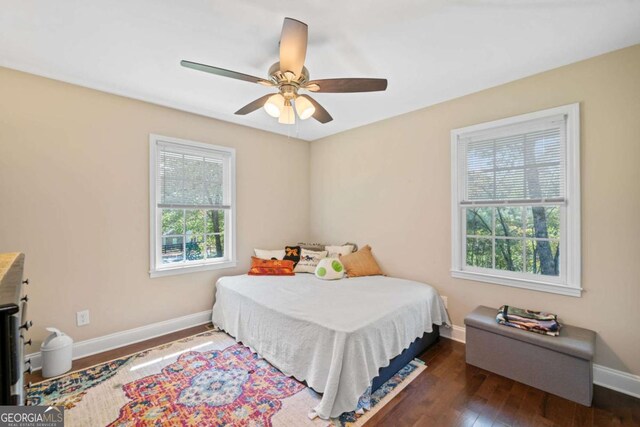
pixel 516 201
pixel 192 191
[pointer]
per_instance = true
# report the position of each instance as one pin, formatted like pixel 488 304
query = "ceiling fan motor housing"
pixel 287 81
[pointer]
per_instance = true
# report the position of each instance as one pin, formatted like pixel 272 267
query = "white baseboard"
pixel 455 332
pixel 613 379
pixel 119 339
pixel 621 381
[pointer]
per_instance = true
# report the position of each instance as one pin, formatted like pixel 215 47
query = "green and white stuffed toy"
pixel 330 269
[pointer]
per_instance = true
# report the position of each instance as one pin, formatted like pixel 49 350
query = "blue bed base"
pixel 419 346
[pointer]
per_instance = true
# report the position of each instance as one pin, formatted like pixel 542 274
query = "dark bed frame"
pixel 419 346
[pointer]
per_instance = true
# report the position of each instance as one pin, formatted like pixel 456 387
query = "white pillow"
pixel 330 269
pixel 338 251
pixel 309 260
pixel 269 254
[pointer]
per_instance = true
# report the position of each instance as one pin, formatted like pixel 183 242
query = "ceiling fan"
pixel 290 75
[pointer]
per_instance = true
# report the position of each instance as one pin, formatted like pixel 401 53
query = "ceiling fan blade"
pixel 254 105
pixel 225 73
pixel 320 114
pixel 293 45
pixel 347 85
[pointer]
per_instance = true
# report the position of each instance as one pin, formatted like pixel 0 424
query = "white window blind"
pixel 190 178
pixel 501 166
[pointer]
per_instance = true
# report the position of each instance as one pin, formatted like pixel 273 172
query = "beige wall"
pixel 74 196
pixel 388 184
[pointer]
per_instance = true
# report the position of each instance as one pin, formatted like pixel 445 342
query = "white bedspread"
pixel 335 335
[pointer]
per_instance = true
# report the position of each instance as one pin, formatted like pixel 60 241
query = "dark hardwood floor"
pixel 451 393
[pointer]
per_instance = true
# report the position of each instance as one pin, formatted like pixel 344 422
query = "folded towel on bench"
pixel 534 321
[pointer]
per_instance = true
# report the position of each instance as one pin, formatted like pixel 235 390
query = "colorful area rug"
pixel 204 380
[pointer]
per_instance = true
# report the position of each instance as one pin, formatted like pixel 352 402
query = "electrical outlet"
pixel 446 302
pixel 82 318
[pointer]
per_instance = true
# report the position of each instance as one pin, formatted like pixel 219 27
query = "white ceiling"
pixel 430 51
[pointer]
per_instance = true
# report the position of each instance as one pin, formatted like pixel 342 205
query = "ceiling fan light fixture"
pixel 289 75
pixel 287 115
pixel 274 105
pixel 304 108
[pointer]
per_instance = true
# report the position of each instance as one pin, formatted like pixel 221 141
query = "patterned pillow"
pixel 330 269
pixel 312 246
pixel 292 253
pixel 267 267
pixel 309 261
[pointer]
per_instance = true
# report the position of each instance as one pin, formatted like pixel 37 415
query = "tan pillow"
pixel 361 263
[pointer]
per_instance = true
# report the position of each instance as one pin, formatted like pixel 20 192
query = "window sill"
pixel 185 269
pixel 518 283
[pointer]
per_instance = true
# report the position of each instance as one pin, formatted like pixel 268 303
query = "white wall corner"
pixel 120 339
pixel 613 379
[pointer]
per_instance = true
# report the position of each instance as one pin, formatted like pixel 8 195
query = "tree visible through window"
pixel 526 239
pixel 192 234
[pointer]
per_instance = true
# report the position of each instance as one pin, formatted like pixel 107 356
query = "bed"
pixel 334 335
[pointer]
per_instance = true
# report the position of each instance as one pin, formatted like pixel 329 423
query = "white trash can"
pixel 56 353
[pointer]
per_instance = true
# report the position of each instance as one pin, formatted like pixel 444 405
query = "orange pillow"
pixel 270 267
pixel 361 263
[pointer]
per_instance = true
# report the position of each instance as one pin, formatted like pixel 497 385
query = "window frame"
pixel 569 281
pixel 155 221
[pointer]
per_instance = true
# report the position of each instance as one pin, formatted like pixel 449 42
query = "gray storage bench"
pixel 559 365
